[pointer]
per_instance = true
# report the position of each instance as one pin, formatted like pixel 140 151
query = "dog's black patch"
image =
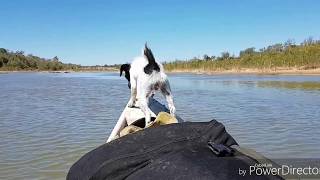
pixel 165 91
pixel 142 122
pixel 126 69
pixel 152 65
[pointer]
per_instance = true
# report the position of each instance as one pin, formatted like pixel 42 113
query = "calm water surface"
pixel 48 121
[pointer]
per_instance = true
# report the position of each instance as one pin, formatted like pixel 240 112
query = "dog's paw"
pixel 172 110
pixel 148 123
pixel 131 104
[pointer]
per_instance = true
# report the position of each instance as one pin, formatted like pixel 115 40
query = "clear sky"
pixel 114 31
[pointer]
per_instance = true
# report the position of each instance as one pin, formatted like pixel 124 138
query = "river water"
pixel 48 121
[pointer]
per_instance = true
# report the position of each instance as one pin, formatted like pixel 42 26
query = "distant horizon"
pixel 170 60
pixel 114 32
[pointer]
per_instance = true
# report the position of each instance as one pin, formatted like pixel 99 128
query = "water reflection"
pixel 290 85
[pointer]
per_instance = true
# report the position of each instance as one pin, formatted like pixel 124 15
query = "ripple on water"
pixel 48 121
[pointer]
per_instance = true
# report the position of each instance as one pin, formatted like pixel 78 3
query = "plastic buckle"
pixel 220 150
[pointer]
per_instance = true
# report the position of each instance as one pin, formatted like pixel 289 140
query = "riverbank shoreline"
pixel 278 71
pixel 65 71
pixel 243 71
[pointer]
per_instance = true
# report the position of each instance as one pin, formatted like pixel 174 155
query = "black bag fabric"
pixel 175 151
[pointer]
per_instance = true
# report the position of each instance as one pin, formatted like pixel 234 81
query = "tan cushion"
pixel 164 118
pixel 129 129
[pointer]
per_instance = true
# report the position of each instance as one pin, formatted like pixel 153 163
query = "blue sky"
pixel 114 31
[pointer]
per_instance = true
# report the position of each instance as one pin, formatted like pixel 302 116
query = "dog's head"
pixel 126 69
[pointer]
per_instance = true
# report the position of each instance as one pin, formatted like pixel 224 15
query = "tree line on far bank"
pixel 15 61
pixel 305 55
pixel 281 55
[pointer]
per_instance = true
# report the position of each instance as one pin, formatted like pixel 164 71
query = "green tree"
pixel 18 61
pixel 248 51
pixel 206 57
pixel 4 59
pixel 287 54
pixel 55 59
pixel 3 51
pixel 225 55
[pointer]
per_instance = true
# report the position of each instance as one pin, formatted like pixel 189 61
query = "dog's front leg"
pixel 166 92
pixel 144 105
pixel 171 106
pixel 133 92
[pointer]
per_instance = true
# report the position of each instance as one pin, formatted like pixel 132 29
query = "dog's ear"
pixel 125 68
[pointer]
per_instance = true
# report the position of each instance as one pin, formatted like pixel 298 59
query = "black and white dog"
pixel 145 76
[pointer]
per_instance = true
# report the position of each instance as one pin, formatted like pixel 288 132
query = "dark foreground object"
pixel 183 151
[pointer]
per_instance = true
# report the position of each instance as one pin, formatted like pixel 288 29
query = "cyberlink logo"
pixel 284 170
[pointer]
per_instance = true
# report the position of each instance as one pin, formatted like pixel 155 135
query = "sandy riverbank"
pixel 66 71
pixel 277 71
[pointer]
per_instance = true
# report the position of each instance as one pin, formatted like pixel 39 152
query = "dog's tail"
pixel 152 64
pixel 148 53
